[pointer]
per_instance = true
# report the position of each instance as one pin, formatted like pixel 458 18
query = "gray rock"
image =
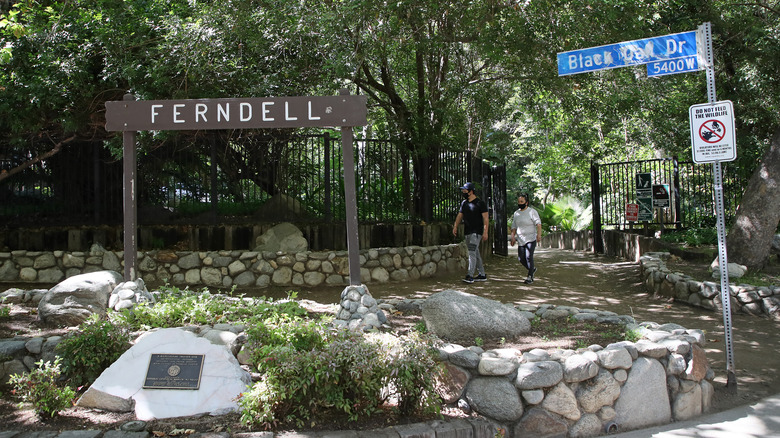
pixel 644 400
pixel 533 396
pixel 687 404
pixel 94 398
pixel 598 392
pixel 460 317
pixel 495 366
pixel 589 425
pixel 535 375
pixel 72 301
pixel 612 358
pixel 577 368
pixel 650 349
pixel 284 237
pixel 10 347
pixel 539 422
pixel 562 401
pixel 494 397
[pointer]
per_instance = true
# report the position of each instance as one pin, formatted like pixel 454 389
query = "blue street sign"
pixel 637 52
pixel 673 66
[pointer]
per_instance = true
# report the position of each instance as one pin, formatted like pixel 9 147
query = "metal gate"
pixel 613 186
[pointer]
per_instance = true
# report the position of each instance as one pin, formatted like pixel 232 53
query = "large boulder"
pixel 74 299
pixel 121 386
pixel 284 237
pixel 462 317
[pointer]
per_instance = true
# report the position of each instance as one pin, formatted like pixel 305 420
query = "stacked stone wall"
pixel 660 280
pixel 663 376
pixel 225 269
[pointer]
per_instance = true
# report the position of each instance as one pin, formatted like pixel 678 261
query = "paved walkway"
pixel 760 419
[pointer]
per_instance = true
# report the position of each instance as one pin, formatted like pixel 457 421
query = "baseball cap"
pixel 468 186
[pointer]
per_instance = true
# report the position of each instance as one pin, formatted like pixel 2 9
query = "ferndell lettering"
pixel 244 113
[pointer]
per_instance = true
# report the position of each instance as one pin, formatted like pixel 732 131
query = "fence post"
pixel 598 240
pixel 676 191
pixel 328 197
pixel 499 210
pixel 213 178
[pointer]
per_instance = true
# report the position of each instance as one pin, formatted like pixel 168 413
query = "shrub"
pixel 176 307
pixel 411 376
pixel 308 370
pixel 39 388
pixel 91 349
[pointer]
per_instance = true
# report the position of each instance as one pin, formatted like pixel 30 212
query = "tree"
pixel 427 68
pixel 750 237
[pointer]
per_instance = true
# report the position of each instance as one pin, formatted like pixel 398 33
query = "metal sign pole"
pixel 731 379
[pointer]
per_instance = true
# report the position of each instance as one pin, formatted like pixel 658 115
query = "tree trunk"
pixel 750 238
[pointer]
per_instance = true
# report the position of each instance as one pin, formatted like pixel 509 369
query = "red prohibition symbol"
pixel 712 131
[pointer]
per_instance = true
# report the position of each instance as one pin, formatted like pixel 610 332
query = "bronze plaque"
pixel 174 371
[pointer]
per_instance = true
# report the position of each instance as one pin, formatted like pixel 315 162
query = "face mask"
pixel 521 206
pixel 465 195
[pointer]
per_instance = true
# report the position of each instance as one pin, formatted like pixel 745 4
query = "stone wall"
pixel 238 268
pixel 662 377
pixel 753 300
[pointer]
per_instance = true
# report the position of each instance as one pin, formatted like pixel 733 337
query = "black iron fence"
pixel 691 191
pixel 237 177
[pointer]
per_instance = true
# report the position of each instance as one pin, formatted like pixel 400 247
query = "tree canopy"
pixel 440 75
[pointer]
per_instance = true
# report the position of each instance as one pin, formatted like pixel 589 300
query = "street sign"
pixel 627 53
pixel 673 66
pixel 660 195
pixel 645 208
pixel 632 212
pixel 644 183
pixel 712 132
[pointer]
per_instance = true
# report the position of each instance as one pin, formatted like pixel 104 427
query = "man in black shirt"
pixel 474 214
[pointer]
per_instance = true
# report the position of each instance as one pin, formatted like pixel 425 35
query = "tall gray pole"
pixel 129 164
pixel 731 378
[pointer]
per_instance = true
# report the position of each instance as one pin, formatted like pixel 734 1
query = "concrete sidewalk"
pixel 760 419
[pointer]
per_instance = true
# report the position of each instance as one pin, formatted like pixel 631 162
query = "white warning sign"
pixel 712 132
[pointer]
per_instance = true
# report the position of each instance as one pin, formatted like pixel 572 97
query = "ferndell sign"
pixel 236 113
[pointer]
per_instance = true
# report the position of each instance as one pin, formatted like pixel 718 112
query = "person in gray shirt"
pixel 526 231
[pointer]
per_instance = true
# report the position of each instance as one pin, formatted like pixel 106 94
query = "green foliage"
pixel 411 376
pixel 39 387
pixel 633 335
pixel 176 307
pixel 5 311
pixel 91 349
pixel 692 236
pixel 566 214
pixel 311 370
